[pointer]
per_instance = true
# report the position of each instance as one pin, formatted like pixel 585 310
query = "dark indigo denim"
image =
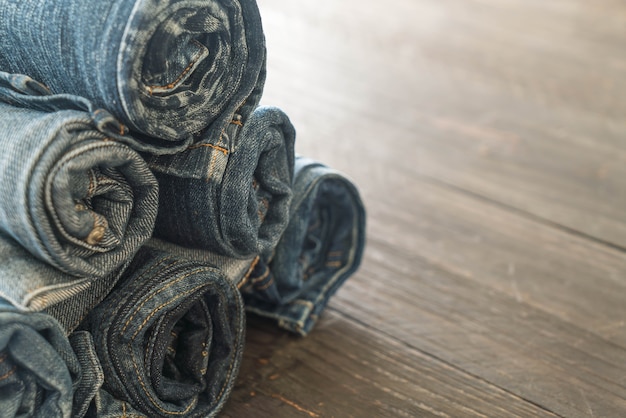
pixel 321 247
pixel 169 337
pixel 166 68
pixel 40 374
pixel 230 193
pixel 70 194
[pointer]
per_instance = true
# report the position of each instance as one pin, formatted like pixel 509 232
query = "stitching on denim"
pixel 9 373
pixel 236 122
pixel 141 382
pixel 334 264
pixel 221 149
pixel 154 312
pixel 246 277
pixel 185 71
pixel 140 278
pixel 68 158
pixel 213 158
pixel 261 277
pixel 232 363
pixel 335 254
pixel 266 285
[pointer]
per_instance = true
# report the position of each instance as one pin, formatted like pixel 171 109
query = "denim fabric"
pixel 321 247
pixel 169 337
pixel 32 285
pixel 40 375
pixel 236 270
pixel 73 197
pixel 230 193
pixel 167 69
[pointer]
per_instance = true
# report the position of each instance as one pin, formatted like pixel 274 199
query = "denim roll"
pixel 321 247
pixel 230 193
pixel 41 373
pixel 169 337
pixel 73 196
pixel 165 68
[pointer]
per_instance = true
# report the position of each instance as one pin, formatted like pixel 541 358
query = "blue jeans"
pixel 321 247
pixel 169 337
pixel 40 373
pixel 167 69
pixel 231 192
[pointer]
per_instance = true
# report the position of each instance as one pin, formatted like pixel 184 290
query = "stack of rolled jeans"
pixel 146 202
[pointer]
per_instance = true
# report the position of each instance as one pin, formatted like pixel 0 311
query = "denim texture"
pixel 74 197
pixel 167 69
pixel 169 338
pixel 230 193
pixel 321 247
pixel 40 373
pixel 32 285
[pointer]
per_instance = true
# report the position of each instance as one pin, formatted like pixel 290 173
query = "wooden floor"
pixel 488 139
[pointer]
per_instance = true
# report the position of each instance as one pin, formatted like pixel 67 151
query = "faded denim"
pixel 74 197
pixel 40 373
pixel 169 338
pixel 321 247
pixel 32 285
pixel 230 193
pixel 167 69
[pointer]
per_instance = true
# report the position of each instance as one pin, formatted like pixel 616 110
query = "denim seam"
pixel 221 149
pixel 226 380
pixel 158 308
pixel 214 158
pixel 246 277
pixel 141 277
pixel 171 85
pixel 136 366
pixel 9 373
pixel 68 158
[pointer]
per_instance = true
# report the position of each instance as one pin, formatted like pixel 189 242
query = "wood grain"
pixel 487 139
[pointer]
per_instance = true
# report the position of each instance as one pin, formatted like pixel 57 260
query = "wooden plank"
pixel 344 369
pixel 567 370
pixel 521 102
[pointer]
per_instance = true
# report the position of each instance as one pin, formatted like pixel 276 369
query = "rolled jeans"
pixel 165 68
pixel 169 337
pixel 72 195
pixel 229 193
pixel 321 247
pixel 42 373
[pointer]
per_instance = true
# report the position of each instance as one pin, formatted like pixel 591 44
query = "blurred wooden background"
pixel 488 138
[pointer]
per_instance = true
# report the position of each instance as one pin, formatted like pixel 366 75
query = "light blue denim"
pixel 169 337
pixel 321 247
pixel 40 373
pixel 230 193
pixel 165 68
pixel 76 198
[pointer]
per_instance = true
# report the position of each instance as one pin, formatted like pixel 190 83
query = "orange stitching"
pixel 334 264
pixel 146 300
pixel 143 386
pixel 9 373
pixel 163 304
pixel 236 122
pixel 224 150
pixel 213 158
pixel 263 276
pixel 335 253
pixel 249 272
pixel 266 285
pixel 173 83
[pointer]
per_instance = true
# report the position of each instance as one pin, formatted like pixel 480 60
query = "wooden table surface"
pixel 488 139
